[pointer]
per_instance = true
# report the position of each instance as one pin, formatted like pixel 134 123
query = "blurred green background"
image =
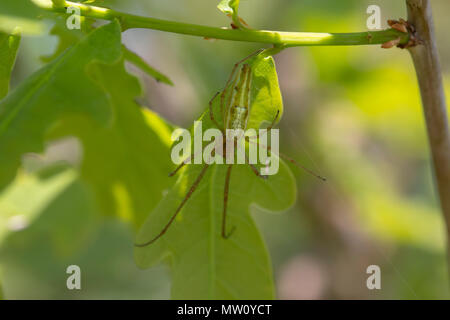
pixel 352 114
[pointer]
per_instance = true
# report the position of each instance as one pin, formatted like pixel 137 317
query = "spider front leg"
pixel 172 219
pixel 274 121
pixel 252 166
pixel 287 158
pixel 186 161
pixel 181 165
pixel 279 154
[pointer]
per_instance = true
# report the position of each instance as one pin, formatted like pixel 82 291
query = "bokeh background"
pixel 352 114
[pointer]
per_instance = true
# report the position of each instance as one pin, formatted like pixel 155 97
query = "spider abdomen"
pixel 238 109
pixel 239 118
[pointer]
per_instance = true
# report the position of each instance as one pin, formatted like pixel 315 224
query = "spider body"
pixel 236 116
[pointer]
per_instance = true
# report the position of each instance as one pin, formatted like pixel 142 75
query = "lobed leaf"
pixel 127 164
pixel 66 37
pixel 21 14
pixel 144 66
pixel 50 202
pixel 61 88
pixel 24 199
pixel 203 264
pixel 87 93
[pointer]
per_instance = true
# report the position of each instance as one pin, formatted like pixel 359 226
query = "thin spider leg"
pixel 254 169
pixel 211 114
pixel 185 162
pixel 174 172
pixel 222 96
pixel 172 219
pixel 272 124
pixel 181 165
pixel 250 56
pixel 287 158
pixel 274 121
pixel 225 204
pixel 230 78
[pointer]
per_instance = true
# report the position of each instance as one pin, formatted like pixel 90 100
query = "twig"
pixel 279 38
pixel 428 69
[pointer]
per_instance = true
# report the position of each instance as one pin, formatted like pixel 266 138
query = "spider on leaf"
pixel 235 103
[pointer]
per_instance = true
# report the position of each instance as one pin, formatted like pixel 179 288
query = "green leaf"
pixel 231 8
pixel 126 156
pixel 57 90
pixel 51 202
pixel 22 202
pixel 265 96
pixel 22 14
pixel 203 264
pixel 59 3
pixel 9 44
pixel 144 66
pixel 66 37
pixel 127 163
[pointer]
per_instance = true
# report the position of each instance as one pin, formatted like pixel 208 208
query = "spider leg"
pixel 174 172
pixel 272 124
pixel 230 78
pixel 185 162
pixel 253 167
pixel 287 158
pixel 274 121
pixel 256 171
pixel 225 204
pixel 229 84
pixel 172 219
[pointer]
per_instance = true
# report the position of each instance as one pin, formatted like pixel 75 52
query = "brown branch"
pixel 428 69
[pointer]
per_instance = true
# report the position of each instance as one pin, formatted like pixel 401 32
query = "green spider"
pixel 235 109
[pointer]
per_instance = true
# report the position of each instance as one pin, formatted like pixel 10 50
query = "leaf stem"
pixel 279 38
